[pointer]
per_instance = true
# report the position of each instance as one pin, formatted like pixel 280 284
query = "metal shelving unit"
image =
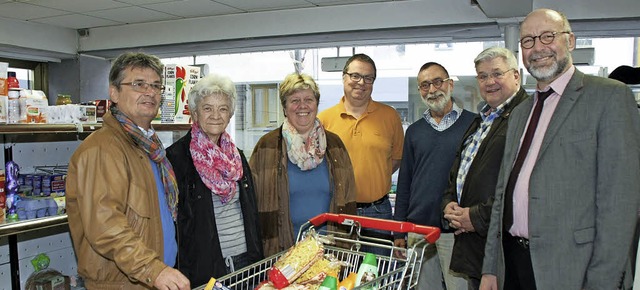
pixel 12 134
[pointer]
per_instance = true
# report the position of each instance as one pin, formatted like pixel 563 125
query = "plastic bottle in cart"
pixel 349 282
pixel 368 270
pixel 329 283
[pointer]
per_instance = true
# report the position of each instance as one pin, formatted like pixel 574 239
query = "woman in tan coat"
pixel 299 169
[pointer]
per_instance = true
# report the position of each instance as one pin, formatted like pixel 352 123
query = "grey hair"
pixel 133 60
pixel 210 85
pixel 495 52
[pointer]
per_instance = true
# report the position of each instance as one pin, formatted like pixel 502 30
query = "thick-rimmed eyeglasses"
pixel 496 75
pixel 545 38
pixel 142 87
pixel 356 77
pixel 437 83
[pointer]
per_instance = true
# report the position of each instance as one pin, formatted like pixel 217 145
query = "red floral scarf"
pixel 219 167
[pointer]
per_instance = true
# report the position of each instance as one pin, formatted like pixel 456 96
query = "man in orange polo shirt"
pixel 373 135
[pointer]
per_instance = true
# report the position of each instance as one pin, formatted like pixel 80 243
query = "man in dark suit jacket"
pixel 472 183
pixel 568 220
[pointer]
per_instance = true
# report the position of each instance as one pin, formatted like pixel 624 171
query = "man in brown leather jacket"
pixel 121 191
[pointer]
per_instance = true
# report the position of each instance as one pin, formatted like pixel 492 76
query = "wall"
pixel 85 78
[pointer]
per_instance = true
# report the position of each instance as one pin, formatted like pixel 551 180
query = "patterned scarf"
pixel 156 152
pixel 308 152
pixel 219 167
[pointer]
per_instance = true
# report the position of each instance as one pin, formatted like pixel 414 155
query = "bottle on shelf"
pixel 12 81
pixel 13 107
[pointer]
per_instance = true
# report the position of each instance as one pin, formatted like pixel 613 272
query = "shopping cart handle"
pixel 431 234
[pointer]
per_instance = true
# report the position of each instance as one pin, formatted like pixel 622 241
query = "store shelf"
pixel 16 227
pixel 21 129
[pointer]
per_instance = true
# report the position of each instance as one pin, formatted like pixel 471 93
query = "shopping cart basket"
pixel 399 270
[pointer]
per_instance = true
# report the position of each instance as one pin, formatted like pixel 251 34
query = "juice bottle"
pixel 349 282
pixel 12 81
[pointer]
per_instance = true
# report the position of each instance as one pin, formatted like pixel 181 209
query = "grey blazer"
pixel 584 188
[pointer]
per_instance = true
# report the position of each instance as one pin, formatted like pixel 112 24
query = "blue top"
pixel 427 158
pixel 168 227
pixel 309 193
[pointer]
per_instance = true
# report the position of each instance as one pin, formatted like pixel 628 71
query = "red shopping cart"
pixel 399 270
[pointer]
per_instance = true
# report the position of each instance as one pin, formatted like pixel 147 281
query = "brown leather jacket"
pixel 112 204
pixel 269 168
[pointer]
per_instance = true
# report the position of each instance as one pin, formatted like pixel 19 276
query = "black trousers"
pixel 518 269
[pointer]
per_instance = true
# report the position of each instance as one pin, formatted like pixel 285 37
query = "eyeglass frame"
pixel 428 84
pixel 356 77
pixel 143 86
pixel 533 38
pixel 496 75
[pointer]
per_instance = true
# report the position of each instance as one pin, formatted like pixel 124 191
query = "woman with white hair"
pixel 217 225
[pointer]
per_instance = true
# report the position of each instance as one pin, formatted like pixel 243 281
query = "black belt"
pixel 377 202
pixel 522 242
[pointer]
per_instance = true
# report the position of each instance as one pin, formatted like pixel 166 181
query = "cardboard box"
pixel 87 114
pixel 182 79
pixel 33 106
pixel 4 102
pixel 102 106
pixel 4 86
pixel 71 114
pixel 168 108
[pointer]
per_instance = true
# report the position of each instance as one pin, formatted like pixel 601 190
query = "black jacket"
pixel 478 191
pixel 199 253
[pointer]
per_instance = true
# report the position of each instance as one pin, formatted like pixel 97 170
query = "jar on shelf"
pixel 63 99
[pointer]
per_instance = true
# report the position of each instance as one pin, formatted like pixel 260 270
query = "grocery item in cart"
pixel 268 286
pixel 349 282
pixel 392 272
pixel 368 270
pixel 215 285
pixel 329 265
pixel 329 283
pixel 296 261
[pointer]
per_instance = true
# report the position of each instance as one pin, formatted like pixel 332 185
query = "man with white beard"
pixel 430 147
pixel 567 197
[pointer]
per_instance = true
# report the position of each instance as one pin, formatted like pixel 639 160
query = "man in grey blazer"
pixel 565 206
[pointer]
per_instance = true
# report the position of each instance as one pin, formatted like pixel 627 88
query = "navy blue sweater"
pixel 427 158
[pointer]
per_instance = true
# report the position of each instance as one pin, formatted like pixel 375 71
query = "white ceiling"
pixel 79 14
pixel 51 30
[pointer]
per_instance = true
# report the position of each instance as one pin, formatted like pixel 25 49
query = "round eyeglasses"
pixel 437 83
pixel 545 38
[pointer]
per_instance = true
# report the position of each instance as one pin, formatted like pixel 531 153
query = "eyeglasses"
pixel 437 83
pixel 356 77
pixel 545 38
pixel 497 75
pixel 142 87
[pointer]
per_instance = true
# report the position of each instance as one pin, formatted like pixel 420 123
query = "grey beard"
pixel 545 75
pixel 439 105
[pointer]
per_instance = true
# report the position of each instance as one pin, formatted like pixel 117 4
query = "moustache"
pixel 539 55
pixel 435 95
